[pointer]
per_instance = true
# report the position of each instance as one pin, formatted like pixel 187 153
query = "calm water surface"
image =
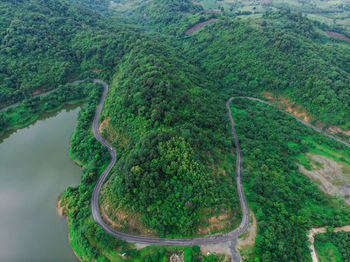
pixel 34 170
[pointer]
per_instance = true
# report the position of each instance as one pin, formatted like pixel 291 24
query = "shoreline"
pixel 61 212
pixel 37 117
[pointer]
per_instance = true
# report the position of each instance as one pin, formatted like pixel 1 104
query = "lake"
pixel 34 170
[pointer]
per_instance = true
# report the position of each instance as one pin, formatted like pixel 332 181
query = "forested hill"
pixel 284 53
pixel 171 17
pixel 165 116
pixel 281 52
pixel 173 127
pixel 46 43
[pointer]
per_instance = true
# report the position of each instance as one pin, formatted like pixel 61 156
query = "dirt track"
pixel 198 26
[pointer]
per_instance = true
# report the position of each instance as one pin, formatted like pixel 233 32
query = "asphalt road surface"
pixel 42 94
pixel 230 237
pixel 218 238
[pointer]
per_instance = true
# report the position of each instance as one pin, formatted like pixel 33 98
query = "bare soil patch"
pixel 333 178
pixel 37 92
pixel 60 209
pixel 337 35
pixel 103 124
pixel 222 248
pixel 300 112
pixel 250 236
pixel 198 26
pixel 215 222
pixel 245 244
pixel 296 110
pixel 337 130
pixel 177 258
pixel 196 3
pixel 287 105
pixel 124 220
pixel 268 95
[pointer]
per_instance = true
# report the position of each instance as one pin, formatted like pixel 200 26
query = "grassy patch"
pixel 209 4
pixel 341 156
pixel 270 142
pixel 327 252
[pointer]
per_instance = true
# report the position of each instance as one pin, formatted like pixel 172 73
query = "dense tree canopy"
pixel 166 115
pixel 333 246
pixel 282 53
pixel 46 43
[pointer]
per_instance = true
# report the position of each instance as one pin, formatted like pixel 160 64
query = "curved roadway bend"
pixel 42 94
pixel 213 239
pixel 299 120
pixel 218 238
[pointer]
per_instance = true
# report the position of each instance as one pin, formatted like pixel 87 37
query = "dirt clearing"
pixel 198 26
pixel 300 112
pixel 287 105
pixel 212 223
pixel 249 237
pixel 103 125
pixel 222 248
pixel 337 130
pixel 337 35
pixel 333 177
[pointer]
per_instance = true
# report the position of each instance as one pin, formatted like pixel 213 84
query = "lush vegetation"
pixel 165 115
pixel 172 126
pixel 292 60
pixel 47 43
pixel 285 202
pixel 88 240
pixel 168 16
pixel 333 246
pixel 31 108
pixel 335 14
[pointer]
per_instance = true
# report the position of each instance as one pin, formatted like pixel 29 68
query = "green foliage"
pixel 172 125
pixel 284 55
pixel 167 98
pixel 170 16
pixel 84 146
pixel 88 237
pixel 46 43
pixel 286 203
pixel 333 246
pixel 31 108
pixel 168 186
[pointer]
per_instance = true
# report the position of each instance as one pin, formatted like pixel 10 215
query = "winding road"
pixel 299 120
pixel 42 94
pixel 230 237
pixel 218 238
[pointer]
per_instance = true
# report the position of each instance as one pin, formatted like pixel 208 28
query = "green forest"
pixel 165 116
pixel 170 126
pixel 293 59
pixel 285 202
pixel 333 246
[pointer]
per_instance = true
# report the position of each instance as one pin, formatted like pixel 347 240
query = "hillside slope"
pixel 165 116
pixel 283 53
pixel 173 131
pixel 46 43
